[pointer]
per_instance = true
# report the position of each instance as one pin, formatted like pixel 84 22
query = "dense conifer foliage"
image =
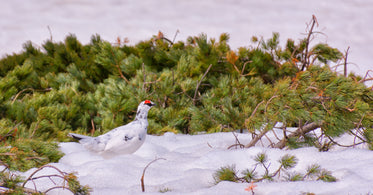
pixel 200 85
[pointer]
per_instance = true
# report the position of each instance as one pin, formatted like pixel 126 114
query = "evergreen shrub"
pixel 200 85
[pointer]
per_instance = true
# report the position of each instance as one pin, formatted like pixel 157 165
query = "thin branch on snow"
pixel 143 172
pixel 61 175
pixel 238 143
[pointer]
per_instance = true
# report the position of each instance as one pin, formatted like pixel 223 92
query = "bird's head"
pixel 148 103
pixel 143 109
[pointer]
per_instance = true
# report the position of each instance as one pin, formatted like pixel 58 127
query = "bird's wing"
pixel 123 136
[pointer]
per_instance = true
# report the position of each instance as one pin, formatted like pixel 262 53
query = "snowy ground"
pixel 190 162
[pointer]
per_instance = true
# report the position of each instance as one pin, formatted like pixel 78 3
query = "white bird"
pixel 125 139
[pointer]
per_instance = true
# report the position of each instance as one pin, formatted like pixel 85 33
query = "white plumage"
pixel 125 139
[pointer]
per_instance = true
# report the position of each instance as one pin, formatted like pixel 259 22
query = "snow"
pixel 186 165
pixel 189 162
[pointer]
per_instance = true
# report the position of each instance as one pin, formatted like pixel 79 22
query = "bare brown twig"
pixel 11 133
pixel 367 77
pixel 306 59
pixel 264 131
pixel 199 83
pixel 143 173
pixel 345 62
pixel 30 89
pixel 118 67
pixel 60 174
pixel 238 143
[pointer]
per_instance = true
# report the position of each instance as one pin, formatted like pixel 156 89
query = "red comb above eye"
pixel 147 102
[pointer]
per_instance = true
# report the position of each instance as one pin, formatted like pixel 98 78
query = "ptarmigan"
pixel 125 139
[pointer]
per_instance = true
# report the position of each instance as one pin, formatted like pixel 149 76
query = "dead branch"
pixel 270 99
pixel 143 173
pixel 11 133
pixel 270 141
pixel 300 131
pixel 177 32
pixel 25 189
pixel 93 130
pixel 256 108
pixel 121 74
pixel 357 136
pixel 199 83
pixel 34 130
pixel 357 130
pixel 366 78
pixel 244 66
pixel 257 138
pixel 238 143
pixel 6 167
pixel 30 178
pixel 118 68
pixel 306 62
pixel 60 175
pixel 345 62
pixel 50 33
pixel 144 79
pixel 58 187
pixel 161 36
pixel 345 146
pixel 29 89
pixel 274 133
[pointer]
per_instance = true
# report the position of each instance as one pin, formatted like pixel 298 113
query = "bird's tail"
pixel 77 136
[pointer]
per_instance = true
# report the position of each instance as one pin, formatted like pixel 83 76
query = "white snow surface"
pixel 188 162
pixel 344 22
